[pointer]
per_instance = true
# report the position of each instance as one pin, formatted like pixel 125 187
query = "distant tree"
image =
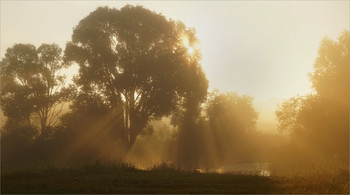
pixel 31 85
pixel 233 110
pixel 232 121
pixel 137 64
pixel 320 121
pixel 330 78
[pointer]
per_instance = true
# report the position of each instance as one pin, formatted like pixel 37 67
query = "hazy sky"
pixel 261 48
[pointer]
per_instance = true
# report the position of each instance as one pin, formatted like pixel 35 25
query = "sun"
pixel 190 48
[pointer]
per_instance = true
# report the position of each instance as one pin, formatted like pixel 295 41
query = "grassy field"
pixel 98 179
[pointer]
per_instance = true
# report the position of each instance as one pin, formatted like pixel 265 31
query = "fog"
pixel 141 98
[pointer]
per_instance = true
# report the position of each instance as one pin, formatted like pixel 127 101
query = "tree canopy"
pixel 233 110
pixel 321 120
pixel 232 119
pixel 31 86
pixel 135 62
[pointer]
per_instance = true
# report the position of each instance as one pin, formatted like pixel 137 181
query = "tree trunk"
pixel 43 120
pixel 28 120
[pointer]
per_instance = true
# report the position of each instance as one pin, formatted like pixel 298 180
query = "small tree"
pixel 31 85
pixel 232 121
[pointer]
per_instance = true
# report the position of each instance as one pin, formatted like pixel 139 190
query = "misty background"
pixel 164 82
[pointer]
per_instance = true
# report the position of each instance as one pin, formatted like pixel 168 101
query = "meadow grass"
pixel 124 178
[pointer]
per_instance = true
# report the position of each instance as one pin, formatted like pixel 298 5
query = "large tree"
pixel 31 85
pixel 320 121
pixel 137 63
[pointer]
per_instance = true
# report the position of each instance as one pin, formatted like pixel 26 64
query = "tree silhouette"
pixel 232 121
pixel 321 120
pixel 233 110
pixel 31 86
pixel 218 133
pixel 136 63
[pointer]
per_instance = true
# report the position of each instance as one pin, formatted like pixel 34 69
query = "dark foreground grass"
pixel 99 179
